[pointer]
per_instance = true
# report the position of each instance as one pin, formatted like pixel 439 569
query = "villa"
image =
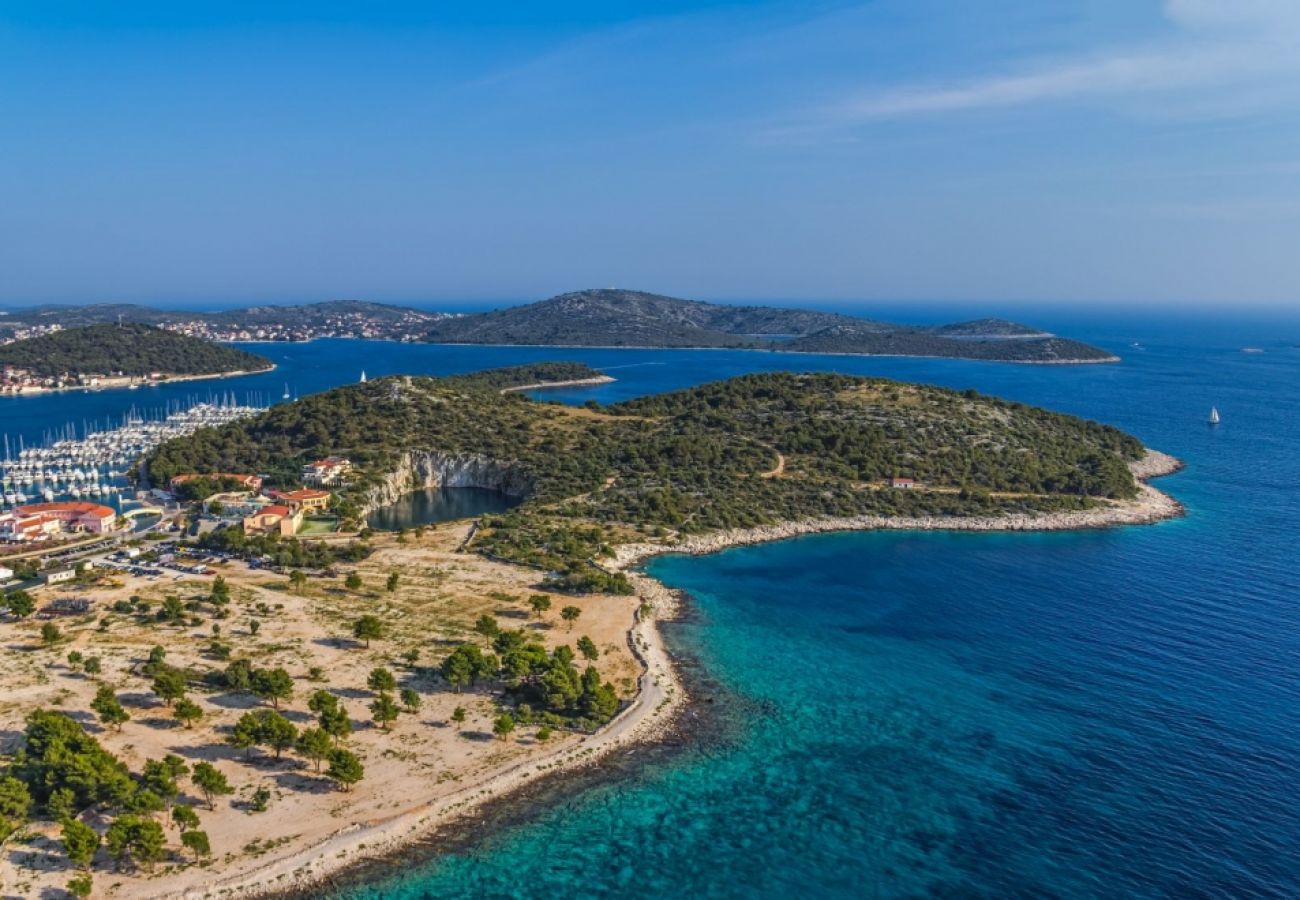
pixel 303 499
pixel 274 519
pixel 327 471
pixel 902 484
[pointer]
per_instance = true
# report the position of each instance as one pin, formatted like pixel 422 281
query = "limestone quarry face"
pixel 421 470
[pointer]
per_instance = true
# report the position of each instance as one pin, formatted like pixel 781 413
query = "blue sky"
pixel 1128 151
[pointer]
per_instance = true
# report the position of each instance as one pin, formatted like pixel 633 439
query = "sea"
pixel 1111 713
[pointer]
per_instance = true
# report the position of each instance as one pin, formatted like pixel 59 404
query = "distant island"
pixel 590 318
pixel 623 318
pixel 111 355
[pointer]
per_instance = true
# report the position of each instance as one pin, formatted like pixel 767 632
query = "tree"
pixel 91 666
pixel 467 664
pixel 411 657
pixel 391 584
pixel 80 841
pixel 210 780
pixel 381 680
pixel 157 656
pixel 75 660
pixel 411 700
pixel 544 733
pixel 50 633
pixel 336 723
pixel 254 626
pixel 368 628
pixel 353 581
pixel 185 817
pixel 245 735
pixel 273 684
pixel 384 711
pixel 197 842
pixel 80 886
pixel 220 595
pixel 172 610
pixel 261 799
pixel 263 727
pixel 161 779
pixel 570 615
pixel 15 803
pixel 458 716
pixel 315 744
pixel 138 839
pixel 487 626
pixel 187 712
pixel 297 580
pixel 239 675
pixel 108 708
pixel 20 604
pixel 345 768
pixel 169 684
pixel 503 725
pixel 540 603
pixel 587 647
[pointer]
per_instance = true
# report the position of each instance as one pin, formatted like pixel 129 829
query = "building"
pixel 59 576
pixel 327 471
pixel 236 504
pixel 247 482
pixel 274 519
pixel 39 521
pixel 903 484
pixel 304 499
pixel 6 574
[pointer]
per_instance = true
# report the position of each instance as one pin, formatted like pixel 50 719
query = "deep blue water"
pixel 1107 713
pixel 440 505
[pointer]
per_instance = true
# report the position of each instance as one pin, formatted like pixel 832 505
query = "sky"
pixel 1111 152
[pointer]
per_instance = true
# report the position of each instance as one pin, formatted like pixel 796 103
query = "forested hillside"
pixel 748 451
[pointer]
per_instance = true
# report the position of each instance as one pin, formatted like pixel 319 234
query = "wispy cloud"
pixel 1213 45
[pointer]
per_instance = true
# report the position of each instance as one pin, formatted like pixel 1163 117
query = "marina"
pixel 95 461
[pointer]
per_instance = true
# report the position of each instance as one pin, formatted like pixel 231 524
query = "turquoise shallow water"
pixel 1101 714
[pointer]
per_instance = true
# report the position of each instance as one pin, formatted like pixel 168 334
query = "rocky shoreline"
pixel 1149 507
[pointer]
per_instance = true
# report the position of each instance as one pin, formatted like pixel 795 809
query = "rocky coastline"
pixel 422 470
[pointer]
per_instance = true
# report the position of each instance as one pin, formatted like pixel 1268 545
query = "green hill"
pixel 754 450
pixel 130 349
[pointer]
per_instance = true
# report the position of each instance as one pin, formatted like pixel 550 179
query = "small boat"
pixel 1214 416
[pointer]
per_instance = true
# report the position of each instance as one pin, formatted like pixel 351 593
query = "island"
pixel 624 318
pixel 117 355
pixel 292 705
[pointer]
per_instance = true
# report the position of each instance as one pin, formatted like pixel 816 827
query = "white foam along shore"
pixel 660 693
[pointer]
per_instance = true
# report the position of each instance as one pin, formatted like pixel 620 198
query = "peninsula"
pixel 117 355
pixel 296 705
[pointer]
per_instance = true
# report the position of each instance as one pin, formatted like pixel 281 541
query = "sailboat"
pixel 363 376
pixel 286 391
pixel 1214 415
